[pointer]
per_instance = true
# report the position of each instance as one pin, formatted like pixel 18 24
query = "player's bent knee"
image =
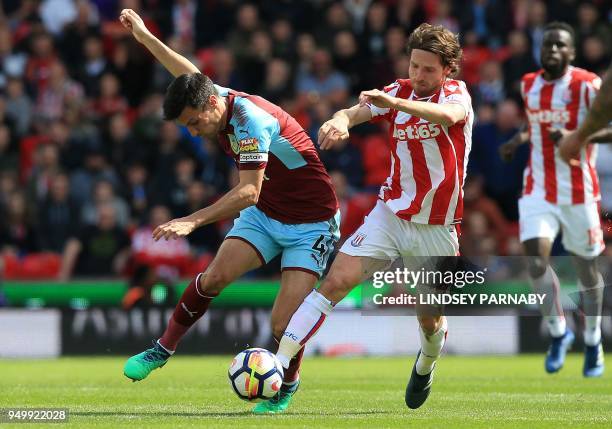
pixel 336 287
pixel 430 324
pixel 214 282
pixel 537 266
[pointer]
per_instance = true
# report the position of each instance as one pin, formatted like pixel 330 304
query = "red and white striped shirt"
pixel 428 161
pixel 561 103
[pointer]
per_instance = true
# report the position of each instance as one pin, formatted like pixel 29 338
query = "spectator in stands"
pixel 409 14
pixel 373 37
pixel 70 40
pixel 95 169
pixel 277 86
pixel 40 62
pixel 481 209
pixel 283 40
pixel 168 257
pixel 18 106
pixel 260 53
pixel 517 64
pixel 58 217
pixel 109 101
pixel 591 24
pixel 322 82
pixel 8 154
pixel 59 93
pixel 593 56
pixel 247 22
pixel 353 206
pixel 137 191
pixel 207 238
pixel 97 250
pixel 502 181
pixel 224 71
pixel 93 65
pixel 18 236
pixel 104 194
pixel 12 63
pixel 46 167
pixel 490 88
pixel 536 20
pixel 348 60
pixel 121 147
pixel 337 20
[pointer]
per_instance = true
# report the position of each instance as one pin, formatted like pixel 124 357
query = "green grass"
pixel 469 392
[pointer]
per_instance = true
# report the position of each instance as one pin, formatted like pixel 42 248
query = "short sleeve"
pixel 592 88
pixel 457 94
pixel 254 129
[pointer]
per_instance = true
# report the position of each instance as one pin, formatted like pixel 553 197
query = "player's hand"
pixel 507 150
pixel 376 97
pixel 332 132
pixel 175 228
pixel 556 134
pixel 133 22
pixel 569 148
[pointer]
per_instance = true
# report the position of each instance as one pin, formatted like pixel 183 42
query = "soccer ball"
pixel 255 375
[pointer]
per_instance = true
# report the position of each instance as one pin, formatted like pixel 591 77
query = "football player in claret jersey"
pixel 558 197
pixel 285 199
pixel 420 204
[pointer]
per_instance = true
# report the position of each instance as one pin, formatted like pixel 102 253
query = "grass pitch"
pixel 468 392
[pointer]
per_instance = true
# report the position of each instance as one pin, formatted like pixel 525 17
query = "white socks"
pixel 551 308
pixel 431 346
pixel 304 323
pixel 592 301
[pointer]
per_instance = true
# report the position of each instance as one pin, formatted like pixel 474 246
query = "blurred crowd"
pixel 88 168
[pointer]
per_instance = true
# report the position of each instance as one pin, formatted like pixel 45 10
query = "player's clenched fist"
pixel 175 228
pixel 376 97
pixel 332 132
pixel 133 22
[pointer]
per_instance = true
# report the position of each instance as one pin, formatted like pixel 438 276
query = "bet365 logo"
pixel 415 132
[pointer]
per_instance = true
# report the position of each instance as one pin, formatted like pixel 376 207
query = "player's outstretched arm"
pixel 597 118
pixel 245 194
pixel 601 136
pixel 443 114
pixel 336 129
pixel 176 64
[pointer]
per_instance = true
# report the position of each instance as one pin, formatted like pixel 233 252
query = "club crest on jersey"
pixel 358 240
pixel 234 143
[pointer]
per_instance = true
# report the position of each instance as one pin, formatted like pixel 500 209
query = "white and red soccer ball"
pixel 255 375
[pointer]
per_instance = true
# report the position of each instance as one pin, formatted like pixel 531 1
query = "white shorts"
pixel 385 236
pixel 579 223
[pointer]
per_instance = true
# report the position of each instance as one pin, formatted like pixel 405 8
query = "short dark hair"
pixel 193 90
pixel 564 26
pixel 440 41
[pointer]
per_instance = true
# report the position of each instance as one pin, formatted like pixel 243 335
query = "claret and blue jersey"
pixel 297 211
pixel 259 134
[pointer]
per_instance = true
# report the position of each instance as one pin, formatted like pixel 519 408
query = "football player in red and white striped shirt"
pixel 421 201
pixel 561 197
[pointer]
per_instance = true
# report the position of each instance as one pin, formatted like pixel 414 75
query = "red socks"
pixel 192 305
